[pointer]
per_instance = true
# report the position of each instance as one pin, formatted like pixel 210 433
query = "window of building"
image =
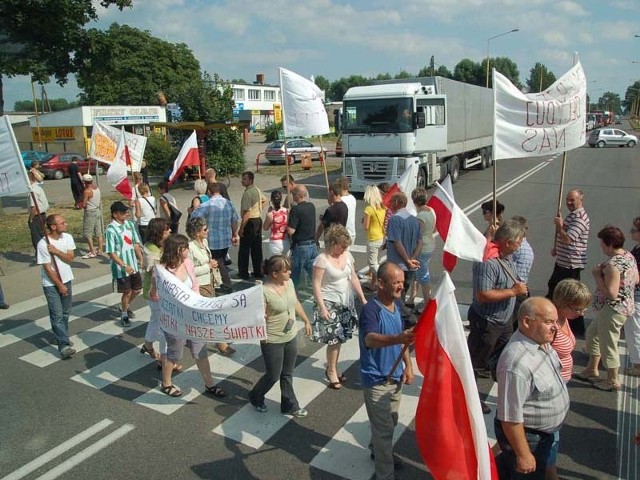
pixel 254 94
pixel 269 95
pixel 238 93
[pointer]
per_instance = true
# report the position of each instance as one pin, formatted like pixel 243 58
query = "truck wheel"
pixel 454 169
pixel 489 157
pixel 422 180
pixel 484 162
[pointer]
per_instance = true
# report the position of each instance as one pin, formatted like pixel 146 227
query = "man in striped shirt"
pixel 125 252
pixel 570 248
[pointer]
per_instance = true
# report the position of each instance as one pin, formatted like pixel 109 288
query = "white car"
pixel 274 152
pixel 611 136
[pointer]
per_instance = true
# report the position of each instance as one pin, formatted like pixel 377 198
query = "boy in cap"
pixel 92 222
pixel 125 252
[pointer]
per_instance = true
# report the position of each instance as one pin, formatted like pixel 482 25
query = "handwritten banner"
pixel 237 317
pixel 104 144
pixel 13 174
pixel 536 124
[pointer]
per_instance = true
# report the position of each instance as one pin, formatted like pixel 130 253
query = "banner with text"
pixel 237 317
pixel 104 144
pixel 544 123
pixel 13 174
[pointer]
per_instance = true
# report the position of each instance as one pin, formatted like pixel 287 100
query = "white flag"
pixel 117 173
pixel 104 143
pixel 542 123
pixel 13 174
pixel 304 112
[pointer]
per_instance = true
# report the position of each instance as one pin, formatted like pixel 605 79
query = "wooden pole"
pixel 35 107
pixel 324 165
pixel 495 194
pixel 54 262
pixel 560 194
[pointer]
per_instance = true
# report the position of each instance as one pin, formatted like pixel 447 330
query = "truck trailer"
pixel 441 124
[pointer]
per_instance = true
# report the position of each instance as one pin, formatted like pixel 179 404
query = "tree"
pixel 127 66
pixel 403 74
pixel 56 104
pixel 468 71
pixel 441 71
pixel 506 67
pixel 540 78
pixel 340 87
pixel 611 102
pixel 631 98
pixel 323 84
pixel 48 34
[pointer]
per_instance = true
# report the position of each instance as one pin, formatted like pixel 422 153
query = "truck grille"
pixel 377 170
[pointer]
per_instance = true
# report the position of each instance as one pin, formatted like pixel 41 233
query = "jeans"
pixel 279 362
pixel 59 307
pixel 485 338
pixel 220 256
pixel 302 257
pixel 251 244
pixel 541 445
pixel 1 295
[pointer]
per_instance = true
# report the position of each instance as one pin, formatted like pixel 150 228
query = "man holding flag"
pixel 381 340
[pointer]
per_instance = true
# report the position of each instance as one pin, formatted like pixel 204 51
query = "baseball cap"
pixel 119 207
pixel 87 177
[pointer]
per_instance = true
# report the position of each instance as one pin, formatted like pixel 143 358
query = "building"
pixel 256 104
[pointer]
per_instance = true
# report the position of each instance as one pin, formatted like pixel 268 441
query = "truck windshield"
pixel 381 115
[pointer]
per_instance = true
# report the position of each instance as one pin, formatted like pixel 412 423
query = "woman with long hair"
pixel 373 224
pixel 276 224
pixel 615 281
pixel 175 258
pixel 280 349
pixel 334 282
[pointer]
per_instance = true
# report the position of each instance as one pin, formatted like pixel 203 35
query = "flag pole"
pixel 284 139
pixel 493 154
pixel 129 166
pixel 560 194
pixel 324 164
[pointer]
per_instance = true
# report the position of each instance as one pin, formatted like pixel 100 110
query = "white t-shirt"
pixel 336 283
pixel 350 202
pixel 147 212
pixel 65 244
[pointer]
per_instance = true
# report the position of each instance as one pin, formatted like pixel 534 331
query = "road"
pixel 100 415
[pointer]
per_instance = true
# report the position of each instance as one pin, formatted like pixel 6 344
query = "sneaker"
pixel 124 321
pixel 299 413
pixel 4 306
pixel 89 255
pixel 262 408
pixel 130 314
pixel 66 352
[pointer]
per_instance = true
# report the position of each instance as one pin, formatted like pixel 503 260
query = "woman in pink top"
pixel 276 223
pixel 571 298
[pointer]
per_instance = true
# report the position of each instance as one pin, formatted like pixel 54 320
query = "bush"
pixel 159 154
pixel 272 130
pixel 225 151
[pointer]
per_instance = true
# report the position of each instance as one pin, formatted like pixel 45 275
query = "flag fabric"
pixel 188 156
pixel 461 238
pixel 544 123
pixel 450 429
pixel 104 143
pixel 13 174
pixel 406 183
pixel 303 107
pixel 117 173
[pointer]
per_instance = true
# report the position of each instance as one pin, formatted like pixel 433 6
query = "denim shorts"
pixel 423 275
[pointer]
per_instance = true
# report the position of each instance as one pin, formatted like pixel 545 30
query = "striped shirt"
pixel 574 254
pixel 530 388
pixel 523 260
pixel 490 275
pixel 564 344
pixel 121 238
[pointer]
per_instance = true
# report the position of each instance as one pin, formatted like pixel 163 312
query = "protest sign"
pixel 237 317
pixel 104 144
pixel 13 174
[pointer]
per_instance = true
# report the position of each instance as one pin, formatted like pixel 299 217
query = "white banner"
pixel 304 112
pixel 237 317
pixel 542 123
pixel 13 174
pixel 104 144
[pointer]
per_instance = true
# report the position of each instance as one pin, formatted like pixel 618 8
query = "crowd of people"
pixel 524 342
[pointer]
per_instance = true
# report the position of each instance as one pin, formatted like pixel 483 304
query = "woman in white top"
pixel 334 281
pixel 427 218
pixel 145 210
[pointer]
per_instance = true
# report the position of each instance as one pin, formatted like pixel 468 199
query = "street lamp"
pixel 489 40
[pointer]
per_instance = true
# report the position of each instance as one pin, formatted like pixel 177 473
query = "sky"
pixel 335 39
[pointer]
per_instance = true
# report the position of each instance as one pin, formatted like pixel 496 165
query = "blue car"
pixel 28 157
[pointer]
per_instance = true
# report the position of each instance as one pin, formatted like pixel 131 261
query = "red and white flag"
pixel 188 156
pixel 450 429
pixel 117 173
pixel 461 238
pixel 407 183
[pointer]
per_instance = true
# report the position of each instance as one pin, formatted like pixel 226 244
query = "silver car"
pixel 611 136
pixel 274 152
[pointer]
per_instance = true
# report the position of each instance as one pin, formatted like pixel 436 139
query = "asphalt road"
pixel 99 415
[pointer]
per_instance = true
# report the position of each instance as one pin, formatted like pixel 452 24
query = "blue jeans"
pixel 302 257
pixel 59 307
pixel 1 295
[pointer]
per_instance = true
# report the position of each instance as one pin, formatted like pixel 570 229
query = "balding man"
pixel 532 397
pixel 570 248
pixel 302 231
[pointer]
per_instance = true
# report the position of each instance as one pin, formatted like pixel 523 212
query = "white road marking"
pixel 57 451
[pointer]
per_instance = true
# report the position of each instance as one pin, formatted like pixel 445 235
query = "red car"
pixel 56 165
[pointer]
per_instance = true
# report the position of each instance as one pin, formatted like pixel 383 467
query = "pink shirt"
pixel 279 224
pixel 564 344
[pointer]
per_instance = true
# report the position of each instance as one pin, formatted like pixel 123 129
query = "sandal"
pixel 152 353
pixel 171 390
pixel 215 391
pixel 341 378
pixel 334 385
pixel 226 352
pixel 586 377
pixel 607 386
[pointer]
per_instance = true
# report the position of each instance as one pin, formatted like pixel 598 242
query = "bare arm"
pixel 366 221
pixel 607 279
pixel 138 209
pixel 66 257
pixel 267 221
pixel 53 276
pixel 318 275
pixel 408 375
pixel 357 286
pixel 303 315
pixel 378 340
pixel 403 254
pixel 500 294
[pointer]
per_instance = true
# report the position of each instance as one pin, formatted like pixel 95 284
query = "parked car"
pixel 274 152
pixel 29 156
pixel 57 166
pixel 611 136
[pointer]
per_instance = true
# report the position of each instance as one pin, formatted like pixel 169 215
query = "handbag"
pixel 174 213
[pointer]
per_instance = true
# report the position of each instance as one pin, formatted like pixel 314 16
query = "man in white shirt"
pixel 55 254
pixel 350 201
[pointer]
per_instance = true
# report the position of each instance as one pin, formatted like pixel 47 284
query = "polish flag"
pixel 450 429
pixel 461 238
pixel 188 156
pixel 407 183
pixel 117 173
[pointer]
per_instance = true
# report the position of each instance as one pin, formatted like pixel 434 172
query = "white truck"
pixel 442 124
